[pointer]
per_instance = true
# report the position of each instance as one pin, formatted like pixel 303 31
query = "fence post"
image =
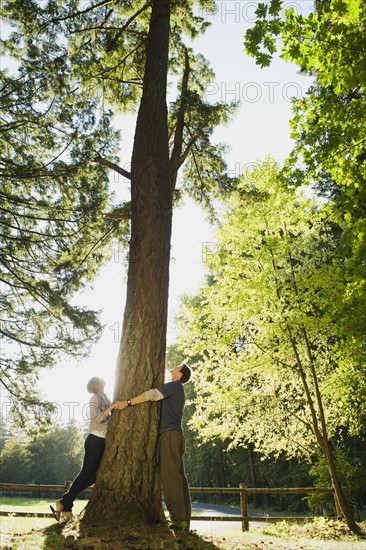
pixel 244 507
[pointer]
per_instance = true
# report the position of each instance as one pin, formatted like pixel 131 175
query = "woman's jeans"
pixel 94 448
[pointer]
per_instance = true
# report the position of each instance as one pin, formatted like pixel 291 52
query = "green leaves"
pixel 266 318
pixel 328 124
pixel 53 200
pixel 263 33
pixel 329 42
pixel 50 457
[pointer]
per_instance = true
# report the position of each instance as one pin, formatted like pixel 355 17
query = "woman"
pixel 100 409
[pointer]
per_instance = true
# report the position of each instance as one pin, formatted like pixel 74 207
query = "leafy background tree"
pixel 328 124
pixel 56 455
pixel 327 127
pixel 4 432
pixel 265 327
pixel 13 462
pixel 51 457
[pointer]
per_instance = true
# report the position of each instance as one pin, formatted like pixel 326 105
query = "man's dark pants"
pixel 173 478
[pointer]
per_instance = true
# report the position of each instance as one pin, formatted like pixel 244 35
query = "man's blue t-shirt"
pixel 172 406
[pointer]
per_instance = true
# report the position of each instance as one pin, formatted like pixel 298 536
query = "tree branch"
pixel 83 12
pixel 113 44
pixel 179 127
pixel 186 151
pixel 113 166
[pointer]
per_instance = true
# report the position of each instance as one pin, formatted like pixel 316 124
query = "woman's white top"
pixel 98 423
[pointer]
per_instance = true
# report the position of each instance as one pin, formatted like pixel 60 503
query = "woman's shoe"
pixel 56 513
pixel 67 515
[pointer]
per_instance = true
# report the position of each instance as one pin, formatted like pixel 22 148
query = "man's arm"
pixel 150 395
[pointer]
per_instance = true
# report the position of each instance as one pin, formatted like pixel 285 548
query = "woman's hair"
pixel 95 385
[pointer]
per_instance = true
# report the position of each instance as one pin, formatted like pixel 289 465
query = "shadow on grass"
pixel 74 535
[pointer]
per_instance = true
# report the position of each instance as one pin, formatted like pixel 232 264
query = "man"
pixel 173 478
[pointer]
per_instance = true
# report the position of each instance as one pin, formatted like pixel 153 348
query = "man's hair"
pixel 186 373
pixel 95 385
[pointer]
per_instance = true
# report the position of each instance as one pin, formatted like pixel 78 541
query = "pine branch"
pixel 113 44
pixel 113 166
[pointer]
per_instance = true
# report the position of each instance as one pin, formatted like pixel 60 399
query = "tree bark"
pixel 127 488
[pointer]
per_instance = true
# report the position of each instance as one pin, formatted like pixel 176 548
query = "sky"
pixel 260 128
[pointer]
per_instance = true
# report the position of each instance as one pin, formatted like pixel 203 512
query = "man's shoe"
pixel 56 513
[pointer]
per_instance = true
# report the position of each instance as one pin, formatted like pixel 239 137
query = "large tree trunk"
pixel 128 489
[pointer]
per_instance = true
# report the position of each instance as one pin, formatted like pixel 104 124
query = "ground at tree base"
pixel 323 535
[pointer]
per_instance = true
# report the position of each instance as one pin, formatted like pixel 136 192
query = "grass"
pixel 19 532
pixel 45 534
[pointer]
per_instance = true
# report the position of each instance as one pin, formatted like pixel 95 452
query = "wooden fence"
pixel 242 490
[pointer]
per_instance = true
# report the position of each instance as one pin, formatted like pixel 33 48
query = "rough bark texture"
pixel 128 488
